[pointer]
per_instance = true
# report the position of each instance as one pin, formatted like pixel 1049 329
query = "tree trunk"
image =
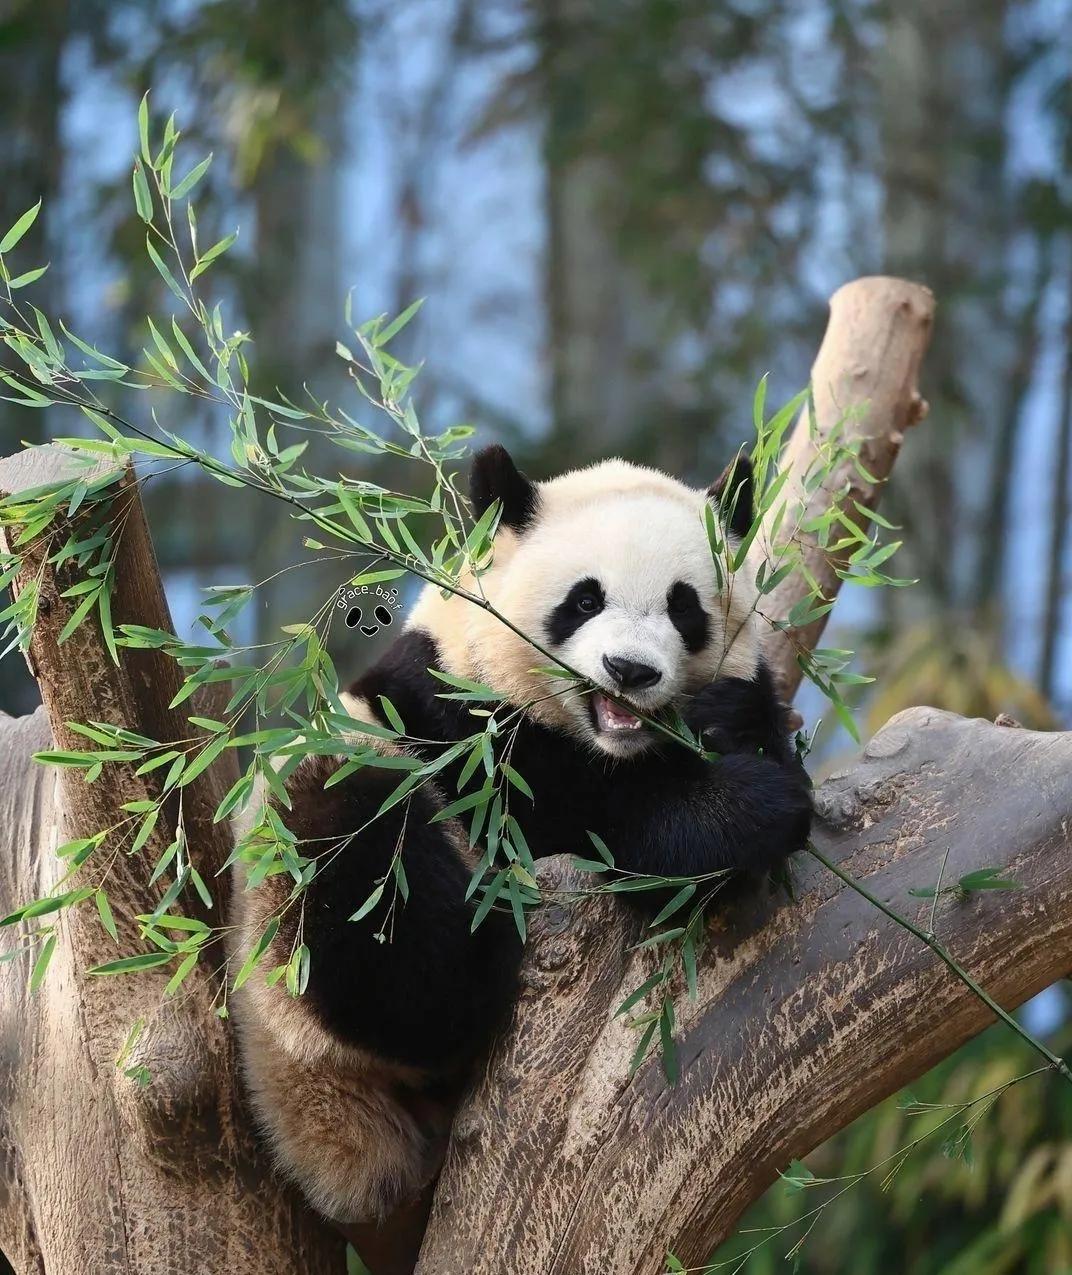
pixel 807 1013
pixel 1056 586
pixel 99 1172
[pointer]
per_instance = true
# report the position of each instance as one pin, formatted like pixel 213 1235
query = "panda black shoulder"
pixel 401 676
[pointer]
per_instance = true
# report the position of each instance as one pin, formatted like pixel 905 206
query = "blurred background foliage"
pixel 623 213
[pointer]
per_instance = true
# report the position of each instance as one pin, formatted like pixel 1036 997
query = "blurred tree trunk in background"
pixel 32 35
pixel 595 311
pixel 283 76
pixel 599 318
pixel 295 289
pixel 942 84
pixel 1057 582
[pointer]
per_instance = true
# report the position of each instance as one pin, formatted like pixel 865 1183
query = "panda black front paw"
pixel 726 717
pixel 774 812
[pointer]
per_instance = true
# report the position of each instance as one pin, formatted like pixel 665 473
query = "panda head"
pixel 609 568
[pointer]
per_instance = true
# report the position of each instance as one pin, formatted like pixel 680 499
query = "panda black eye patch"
pixel 584 600
pixel 688 616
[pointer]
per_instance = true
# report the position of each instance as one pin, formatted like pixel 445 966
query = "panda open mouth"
pixel 610 717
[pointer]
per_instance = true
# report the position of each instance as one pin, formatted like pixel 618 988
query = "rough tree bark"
pixel 808 1012
pixel 100 1173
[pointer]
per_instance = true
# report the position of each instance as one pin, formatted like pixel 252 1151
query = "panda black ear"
pixel 732 492
pixel 494 476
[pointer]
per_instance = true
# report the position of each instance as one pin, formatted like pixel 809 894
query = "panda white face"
pixel 623 591
pixel 608 568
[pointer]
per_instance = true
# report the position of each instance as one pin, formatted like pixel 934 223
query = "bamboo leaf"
pixel 44 958
pixel 143 200
pixel 256 952
pixel 163 270
pixel 104 911
pixel 192 178
pixel 20 228
pixel 131 964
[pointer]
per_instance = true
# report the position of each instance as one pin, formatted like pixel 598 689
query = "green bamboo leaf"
pixel 143 128
pixel 207 258
pixel 104 614
pixel 482 797
pixel 374 577
pixel 678 901
pixel 162 269
pixel 368 904
pixel 143 200
pixel 176 980
pixel 392 715
pixel 192 178
pixel 162 345
pixel 601 848
pixel 104 911
pixel 491 893
pixel 636 997
pixel 797 1176
pixel 131 964
pixel 987 879
pixel 518 782
pixel 298 971
pixel 641 1050
pixel 188 349
pixel 688 960
pixel 396 325
pixel 44 958
pixel 20 228
pixel 145 831
pixel 669 1045
pixel 256 952
pixel 163 861
pixel 203 760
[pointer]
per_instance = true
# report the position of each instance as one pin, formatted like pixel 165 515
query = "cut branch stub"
pixel 807 1014
pixel 866 374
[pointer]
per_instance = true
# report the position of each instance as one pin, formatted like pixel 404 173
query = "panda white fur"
pixel 610 568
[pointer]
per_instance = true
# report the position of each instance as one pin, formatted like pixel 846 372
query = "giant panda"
pixel 610 568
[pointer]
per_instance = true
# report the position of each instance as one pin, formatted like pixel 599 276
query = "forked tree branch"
pixel 808 1012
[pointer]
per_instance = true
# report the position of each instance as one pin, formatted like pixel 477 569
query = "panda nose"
pixel 630 675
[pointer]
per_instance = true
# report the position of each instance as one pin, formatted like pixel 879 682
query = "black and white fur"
pixel 610 569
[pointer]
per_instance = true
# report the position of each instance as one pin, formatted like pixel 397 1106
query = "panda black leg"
pixel 353 1081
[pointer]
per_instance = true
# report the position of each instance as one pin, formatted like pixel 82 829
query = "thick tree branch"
pixel 808 1013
